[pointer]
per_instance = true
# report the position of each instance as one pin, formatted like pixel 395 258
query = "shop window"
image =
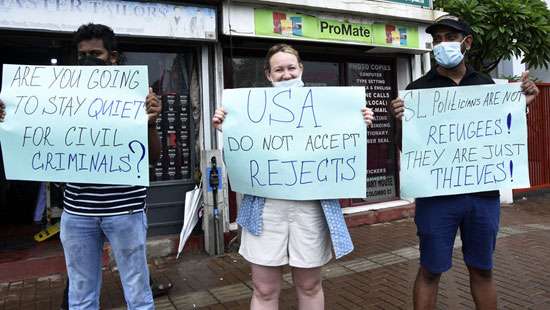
pixel 318 73
pixel 173 77
pixel 249 72
pixel 377 77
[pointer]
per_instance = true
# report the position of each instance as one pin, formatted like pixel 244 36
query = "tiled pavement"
pixel 379 274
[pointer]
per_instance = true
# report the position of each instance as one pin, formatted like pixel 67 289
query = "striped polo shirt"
pixel 103 200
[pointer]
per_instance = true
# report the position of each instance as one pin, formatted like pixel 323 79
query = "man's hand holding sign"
pixel 77 124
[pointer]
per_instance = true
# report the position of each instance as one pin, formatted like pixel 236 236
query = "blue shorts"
pixel 437 221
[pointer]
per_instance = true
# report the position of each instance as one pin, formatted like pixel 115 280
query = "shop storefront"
pixel 175 41
pixel 380 45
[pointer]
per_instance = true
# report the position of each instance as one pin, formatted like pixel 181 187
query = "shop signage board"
pixel 125 17
pixel 420 3
pixel 284 24
pixel 83 124
pixel 463 139
pixel 289 143
pixel 377 76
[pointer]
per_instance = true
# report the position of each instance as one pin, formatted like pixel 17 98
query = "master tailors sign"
pixel 420 3
pixel 306 27
pixel 75 124
pixel 290 143
pixel 463 140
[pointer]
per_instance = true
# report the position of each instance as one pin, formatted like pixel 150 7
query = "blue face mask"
pixel 297 82
pixel 448 54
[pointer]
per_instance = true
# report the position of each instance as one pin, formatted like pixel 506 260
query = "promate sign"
pixel 292 25
pixel 339 31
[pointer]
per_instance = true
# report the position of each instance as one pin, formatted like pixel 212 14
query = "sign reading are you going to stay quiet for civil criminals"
pixel 463 139
pixel 303 143
pixel 75 124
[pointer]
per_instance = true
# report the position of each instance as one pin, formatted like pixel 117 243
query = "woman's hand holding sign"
pixel 2 111
pixel 368 115
pixel 218 118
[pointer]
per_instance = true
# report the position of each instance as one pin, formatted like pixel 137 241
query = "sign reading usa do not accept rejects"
pixel 75 124
pixel 303 143
pixel 463 139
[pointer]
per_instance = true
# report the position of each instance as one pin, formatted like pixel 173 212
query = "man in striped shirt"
pixel 94 213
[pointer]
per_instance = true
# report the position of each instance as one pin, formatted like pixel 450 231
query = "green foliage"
pixel 504 28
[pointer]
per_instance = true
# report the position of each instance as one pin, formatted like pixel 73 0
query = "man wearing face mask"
pixel 94 213
pixel 477 214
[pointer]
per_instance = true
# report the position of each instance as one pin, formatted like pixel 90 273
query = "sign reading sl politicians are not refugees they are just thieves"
pixel 463 139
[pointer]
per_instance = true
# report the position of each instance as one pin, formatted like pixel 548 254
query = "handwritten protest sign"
pixel 296 143
pixel 463 140
pixel 75 124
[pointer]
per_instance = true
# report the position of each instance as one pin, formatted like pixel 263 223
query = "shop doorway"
pixel 23 203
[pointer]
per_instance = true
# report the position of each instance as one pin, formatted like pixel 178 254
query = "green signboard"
pixel 421 3
pixel 300 26
pixel 335 30
pixel 396 35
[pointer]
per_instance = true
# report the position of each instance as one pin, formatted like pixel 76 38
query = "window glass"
pixel 170 78
pixel 249 72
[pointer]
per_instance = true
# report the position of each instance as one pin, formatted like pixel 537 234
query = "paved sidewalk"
pixel 379 274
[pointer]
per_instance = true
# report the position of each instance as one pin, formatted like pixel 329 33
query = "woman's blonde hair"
pixel 285 48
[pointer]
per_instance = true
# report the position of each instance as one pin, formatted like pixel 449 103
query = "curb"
pixel 162 246
pixel 380 216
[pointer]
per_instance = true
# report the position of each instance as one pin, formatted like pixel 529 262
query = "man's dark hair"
pixel 452 22
pixel 96 31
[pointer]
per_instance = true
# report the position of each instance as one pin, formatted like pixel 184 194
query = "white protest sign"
pixel 463 140
pixel 75 124
pixel 303 143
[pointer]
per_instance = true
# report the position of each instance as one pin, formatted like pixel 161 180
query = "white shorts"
pixel 294 233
